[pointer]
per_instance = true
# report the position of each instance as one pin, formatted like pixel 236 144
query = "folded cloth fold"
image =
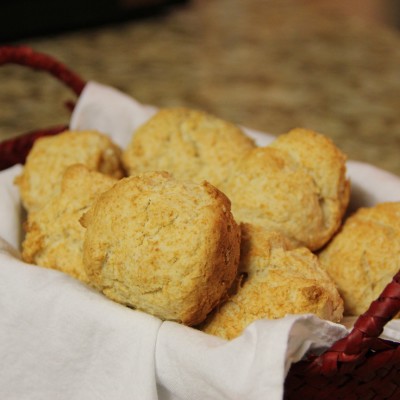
pixel 10 207
pixel 59 339
pixel 193 365
pixel 109 111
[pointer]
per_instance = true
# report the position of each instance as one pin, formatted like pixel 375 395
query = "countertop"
pixel 269 65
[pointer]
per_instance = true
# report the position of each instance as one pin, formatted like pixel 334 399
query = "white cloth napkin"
pixel 61 340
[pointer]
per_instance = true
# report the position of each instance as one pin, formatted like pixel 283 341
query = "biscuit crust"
pixel 297 186
pixel 269 190
pixel 54 236
pixel 50 156
pixel 166 247
pixel 274 279
pixel 326 164
pixel 190 144
pixel 364 255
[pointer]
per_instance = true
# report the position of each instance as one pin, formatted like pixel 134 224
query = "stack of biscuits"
pixel 194 223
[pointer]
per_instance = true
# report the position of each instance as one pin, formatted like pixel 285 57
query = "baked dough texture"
pixel 275 279
pixel 190 144
pixel 364 255
pixel 297 185
pixel 326 164
pixel 167 247
pixel 54 236
pixel 51 155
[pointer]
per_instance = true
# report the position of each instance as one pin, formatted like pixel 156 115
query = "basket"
pixel 359 366
pixel 15 150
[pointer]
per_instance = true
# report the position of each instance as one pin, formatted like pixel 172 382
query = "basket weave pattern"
pixel 359 366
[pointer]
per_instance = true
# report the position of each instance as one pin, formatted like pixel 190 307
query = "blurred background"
pixel 270 65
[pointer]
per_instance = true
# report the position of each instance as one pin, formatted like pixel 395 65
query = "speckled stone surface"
pixel 269 65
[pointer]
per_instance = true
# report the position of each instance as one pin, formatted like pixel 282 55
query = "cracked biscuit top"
pixel 275 279
pixel 166 247
pixel 297 185
pixel 54 236
pixel 190 144
pixel 50 156
pixel 364 255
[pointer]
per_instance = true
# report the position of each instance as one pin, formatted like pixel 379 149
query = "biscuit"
pixel 364 255
pixel 51 155
pixel 191 145
pixel 326 164
pixel 167 247
pixel 297 185
pixel 275 279
pixel 54 236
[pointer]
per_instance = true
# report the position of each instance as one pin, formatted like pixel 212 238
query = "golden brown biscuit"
pixel 364 255
pixel 51 155
pixel 326 164
pixel 297 185
pixel 54 236
pixel 191 145
pixel 166 247
pixel 276 280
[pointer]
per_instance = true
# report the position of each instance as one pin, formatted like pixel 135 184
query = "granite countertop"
pixel 269 65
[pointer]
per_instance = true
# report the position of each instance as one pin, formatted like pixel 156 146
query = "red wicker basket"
pixel 359 366
pixel 15 150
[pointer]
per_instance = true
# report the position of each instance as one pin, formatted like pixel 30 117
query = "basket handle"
pixel 344 355
pixel 23 55
pixel 15 150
